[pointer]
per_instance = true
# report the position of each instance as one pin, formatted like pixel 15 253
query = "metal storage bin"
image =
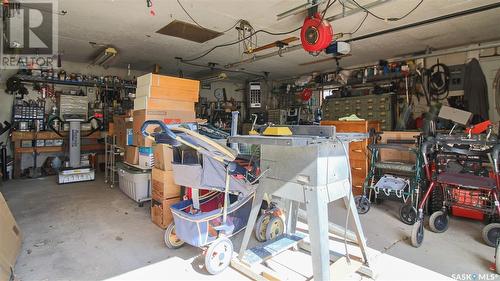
pixel 134 183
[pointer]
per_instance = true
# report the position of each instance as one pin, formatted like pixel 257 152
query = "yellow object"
pixel 253 132
pixel 277 131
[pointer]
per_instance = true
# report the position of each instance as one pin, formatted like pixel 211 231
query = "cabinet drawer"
pixel 357 150
pixel 358 172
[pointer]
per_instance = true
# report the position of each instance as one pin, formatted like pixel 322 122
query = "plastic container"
pixel 135 184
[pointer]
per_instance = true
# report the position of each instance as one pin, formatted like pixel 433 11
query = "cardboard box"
pixel 162 104
pixel 10 240
pixel 164 155
pixel 132 154
pixel 390 155
pixel 142 115
pixel 160 211
pixel 170 82
pixel 190 94
pixel 121 123
pixel 163 184
pixel 146 160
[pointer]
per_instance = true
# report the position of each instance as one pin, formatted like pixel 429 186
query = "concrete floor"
pixel 87 231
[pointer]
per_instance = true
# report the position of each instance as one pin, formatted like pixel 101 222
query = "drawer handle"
pixel 357 168
pixel 358 186
pixel 357 150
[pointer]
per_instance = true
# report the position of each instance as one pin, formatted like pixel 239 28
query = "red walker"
pixel 464 194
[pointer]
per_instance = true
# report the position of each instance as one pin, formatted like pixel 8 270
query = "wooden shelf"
pixel 48 135
pixel 52 149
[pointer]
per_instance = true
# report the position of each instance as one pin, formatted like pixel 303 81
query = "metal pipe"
pixel 333 228
pixel 234 128
pixel 378 33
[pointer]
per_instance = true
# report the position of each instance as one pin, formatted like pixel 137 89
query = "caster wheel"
pixel 417 234
pixel 491 233
pixel 261 227
pixel 439 221
pixel 275 228
pixel 171 239
pixel 408 214
pixel 218 255
pixel 362 204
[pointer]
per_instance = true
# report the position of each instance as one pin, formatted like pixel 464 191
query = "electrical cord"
pixel 189 15
pixel 241 40
pixel 359 26
pixel 222 69
pixel 329 4
pixel 348 199
pixel 388 19
pixel 435 81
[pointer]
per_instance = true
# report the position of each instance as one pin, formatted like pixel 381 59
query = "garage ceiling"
pixel 129 26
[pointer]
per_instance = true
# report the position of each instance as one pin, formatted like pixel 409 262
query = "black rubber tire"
pixel 439 222
pixel 408 214
pixel 437 198
pixel 169 235
pixel 362 204
pixel 491 233
pixel 417 234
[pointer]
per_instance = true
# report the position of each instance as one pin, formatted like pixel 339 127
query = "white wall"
pixel 234 89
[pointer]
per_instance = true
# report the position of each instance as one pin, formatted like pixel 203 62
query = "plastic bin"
pixel 134 183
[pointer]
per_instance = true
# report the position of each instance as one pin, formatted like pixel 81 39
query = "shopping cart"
pixel 215 168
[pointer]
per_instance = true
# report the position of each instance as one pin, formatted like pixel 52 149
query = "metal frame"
pixel 304 169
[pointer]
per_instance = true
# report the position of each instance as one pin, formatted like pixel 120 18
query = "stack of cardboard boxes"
pixel 164 98
pixel 165 191
pixel 171 100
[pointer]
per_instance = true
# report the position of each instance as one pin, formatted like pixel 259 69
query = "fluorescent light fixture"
pixel 104 58
pixel 219 77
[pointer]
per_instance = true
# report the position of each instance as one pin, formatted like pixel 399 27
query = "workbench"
pixel 17 137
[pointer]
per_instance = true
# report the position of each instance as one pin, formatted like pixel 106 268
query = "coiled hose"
pixel 436 82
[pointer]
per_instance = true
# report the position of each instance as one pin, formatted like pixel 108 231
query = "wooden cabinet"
pixel 358 151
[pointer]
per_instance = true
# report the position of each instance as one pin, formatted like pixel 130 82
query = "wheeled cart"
pixel 310 167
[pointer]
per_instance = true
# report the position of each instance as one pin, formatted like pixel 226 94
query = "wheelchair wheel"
pixel 362 204
pixel 491 233
pixel 218 255
pixel 439 221
pixel 261 227
pixel 275 228
pixel 417 234
pixel 171 239
pixel 408 214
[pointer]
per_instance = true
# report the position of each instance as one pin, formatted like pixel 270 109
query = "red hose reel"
pixel 316 34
